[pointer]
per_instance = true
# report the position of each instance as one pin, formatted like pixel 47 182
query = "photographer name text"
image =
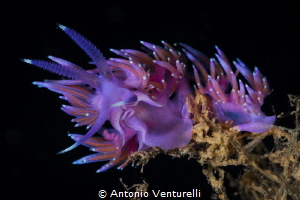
pixel 153 193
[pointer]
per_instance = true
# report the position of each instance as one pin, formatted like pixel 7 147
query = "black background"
pixel 33 128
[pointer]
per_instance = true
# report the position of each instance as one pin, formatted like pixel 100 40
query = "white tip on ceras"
pixel 27 61
pixel 62 27
pixel 63 97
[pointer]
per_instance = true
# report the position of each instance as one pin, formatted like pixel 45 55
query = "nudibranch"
pixel 143 97
pixel 233 102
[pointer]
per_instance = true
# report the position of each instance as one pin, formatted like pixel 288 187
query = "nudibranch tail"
pixel 234 102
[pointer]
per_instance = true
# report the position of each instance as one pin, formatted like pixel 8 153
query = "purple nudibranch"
pixel 144 97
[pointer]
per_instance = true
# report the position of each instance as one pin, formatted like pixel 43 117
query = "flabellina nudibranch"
pixel 145 98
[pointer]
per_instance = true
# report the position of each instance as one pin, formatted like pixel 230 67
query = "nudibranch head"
pixel 233 102
pixel 143 97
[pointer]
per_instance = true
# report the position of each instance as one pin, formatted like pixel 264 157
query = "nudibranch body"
pixel 233 102
pixel 144 97
pixel 133 94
